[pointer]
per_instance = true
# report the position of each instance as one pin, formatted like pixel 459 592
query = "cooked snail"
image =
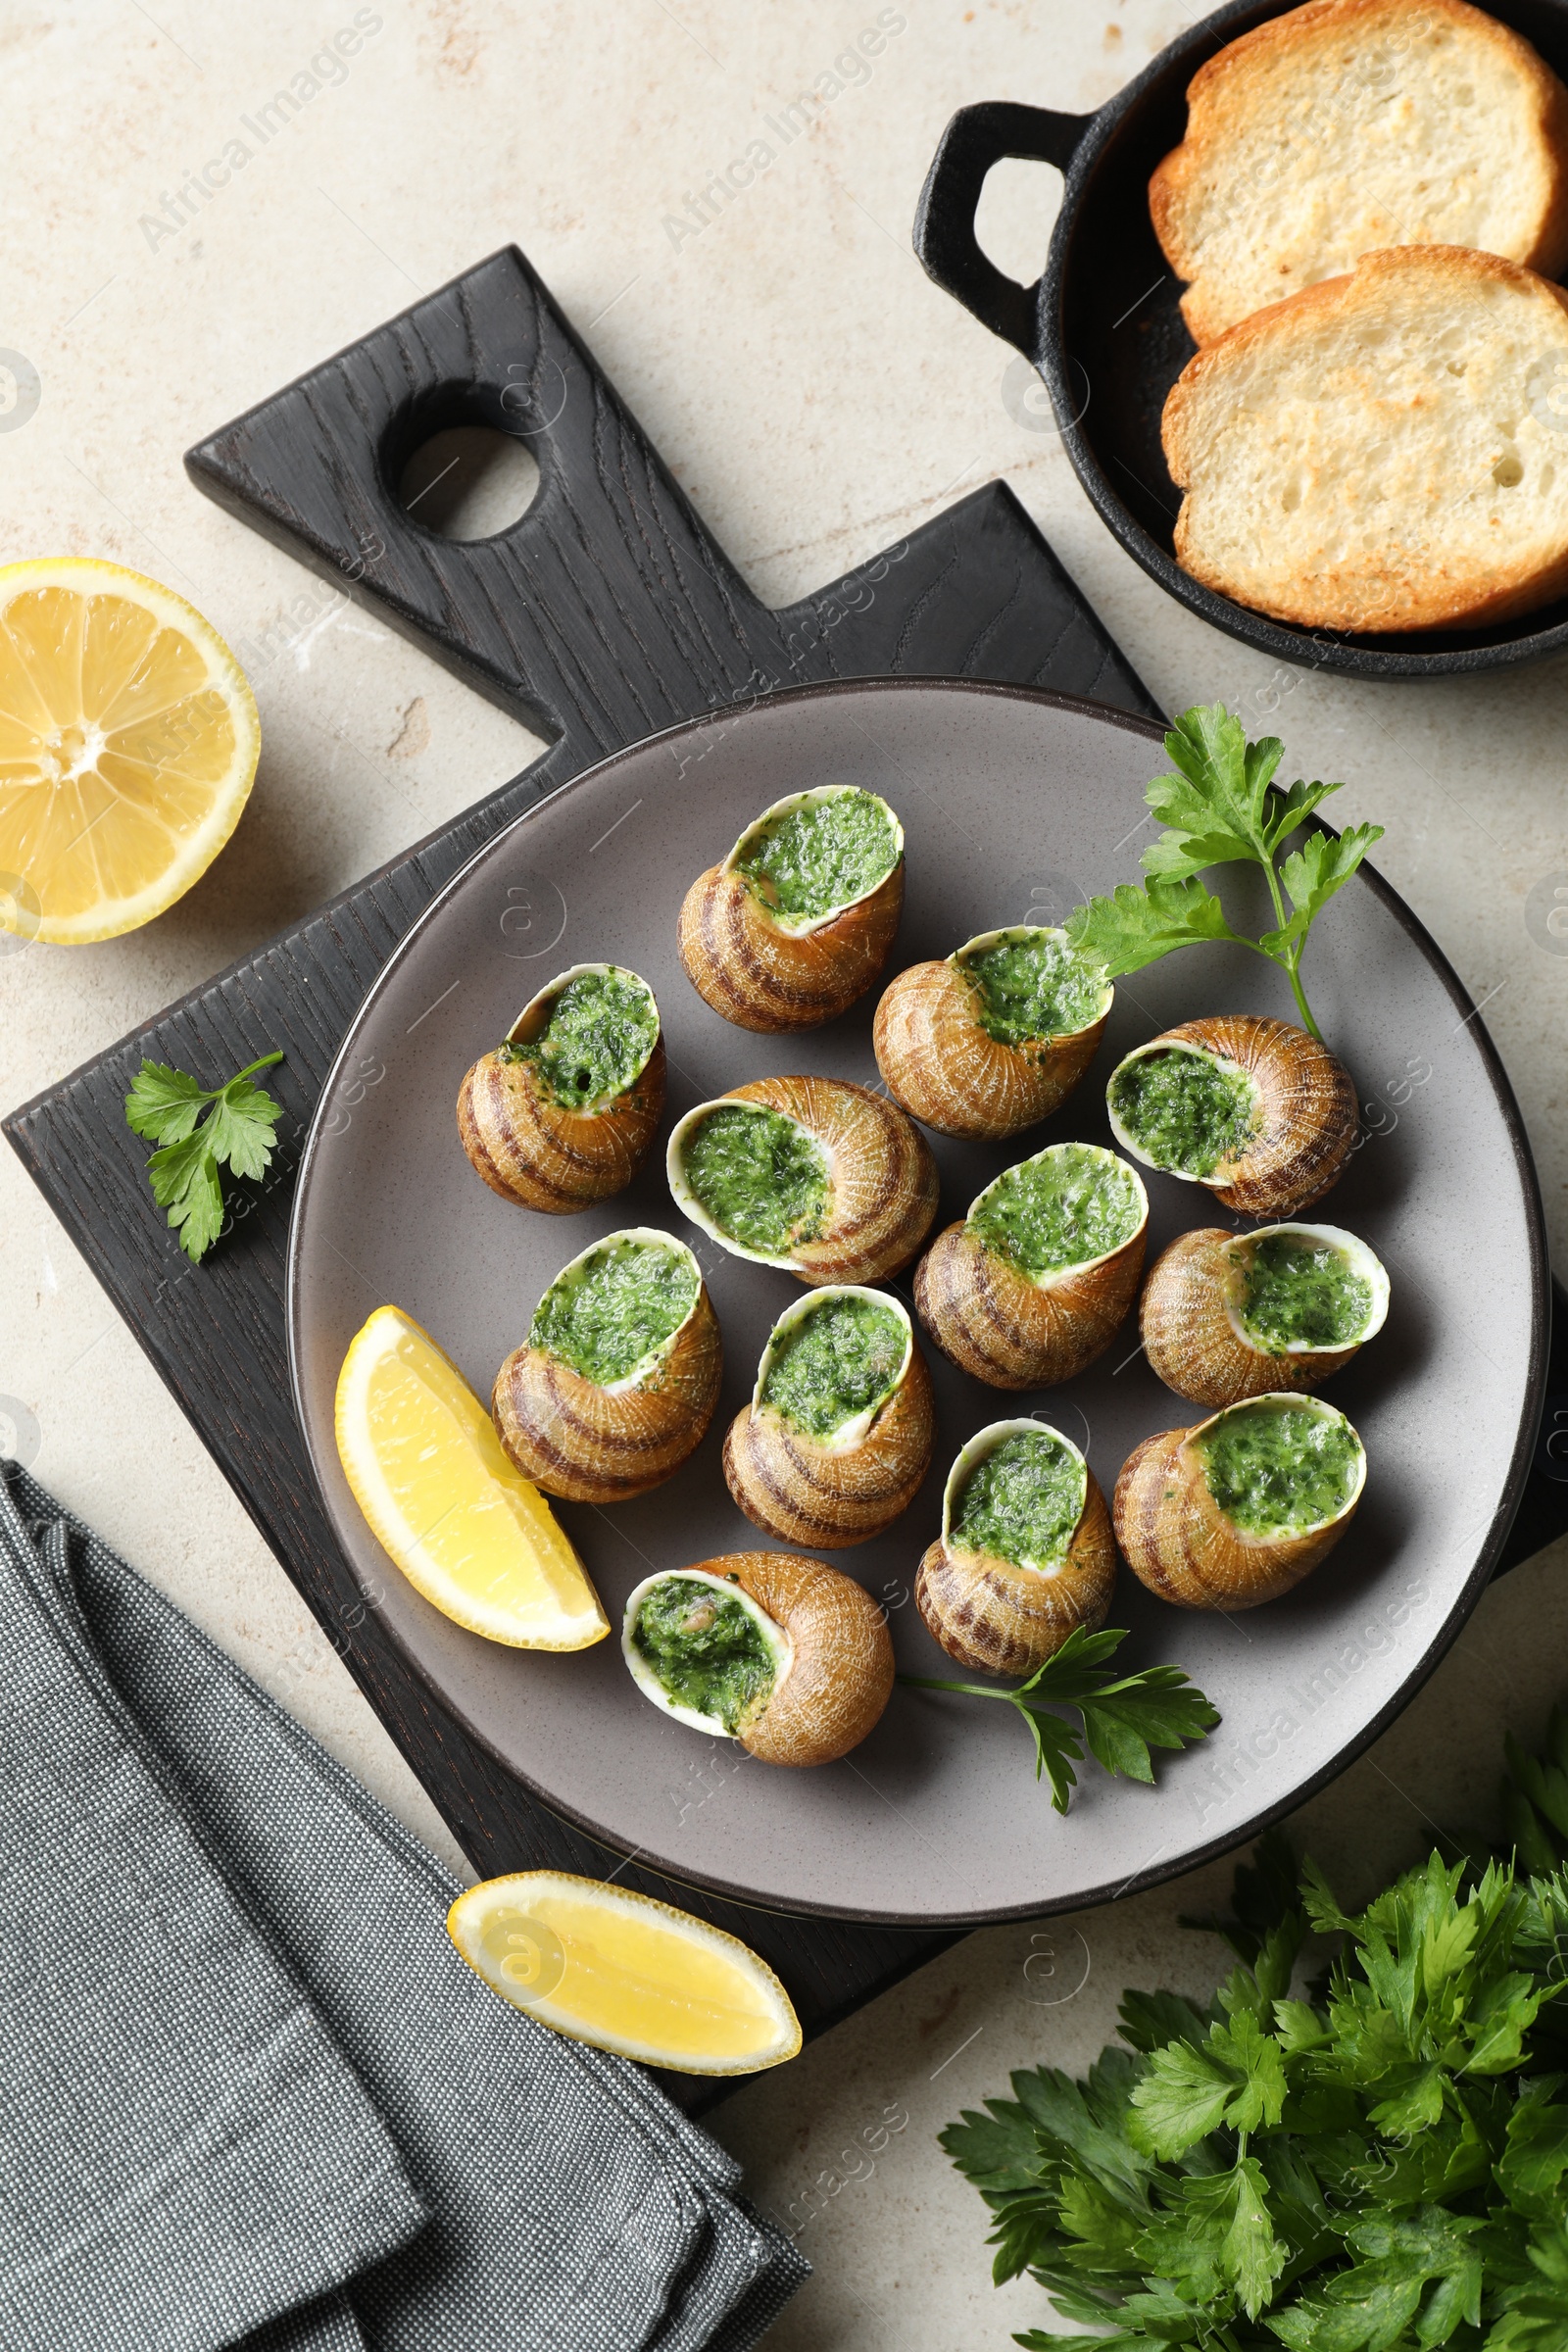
pixel 1228 1315
pixel 815 1175
pixel 1235 1510
pixel 619 1377
pixel 563 1112
pixel 1025 1553
pixel 798 921
pixel 1255 1108
pixel 991 1041
pixel 1031 1287
pixel 786 1656
pixel 837 1437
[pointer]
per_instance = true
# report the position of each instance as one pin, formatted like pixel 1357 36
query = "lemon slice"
pixel 128 740
pixel 466 1528
pixel 625 1973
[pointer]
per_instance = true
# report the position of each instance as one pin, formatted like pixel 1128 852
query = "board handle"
pixel 609 610
pixel 591 617
pixel 977 137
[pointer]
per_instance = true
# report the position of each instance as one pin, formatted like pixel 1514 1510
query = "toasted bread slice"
pixel 1350 125
pixel 1385 452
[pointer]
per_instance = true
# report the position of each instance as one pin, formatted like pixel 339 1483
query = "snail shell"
pixel 592 1444
pixel 831 1642
pixel 1015 1330
pixel 989 1613
pixel 847 1486
pixel 1192 1325
pixel 882 1180
pixel 765 971
pixel 1306 1106
pixel 533 1149
pixel 942 1065
pixel 1178 1541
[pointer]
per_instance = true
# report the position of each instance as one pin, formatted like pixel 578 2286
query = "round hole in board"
pixel 469 482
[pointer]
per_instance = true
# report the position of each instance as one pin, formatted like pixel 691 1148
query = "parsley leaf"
pixel 1150 2019
pixel 1311 876
pixel 184 1181
pixel 1250 2253
pixel 1120 1721
pixel 1536 2155
pixel 1536 2315
pixel 1215 804
pixel 236 1132
pixel 163 1103
pixel 1236 2076
pixel 1134 927
pixel 1222 807
pixel 240 1127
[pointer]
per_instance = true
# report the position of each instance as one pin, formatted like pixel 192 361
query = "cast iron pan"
pixel 1104 329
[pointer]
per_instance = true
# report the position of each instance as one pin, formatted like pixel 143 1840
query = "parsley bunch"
pixel 1221 809
pixel 235 1131
pixel 1382 2166
pixel 1120 1719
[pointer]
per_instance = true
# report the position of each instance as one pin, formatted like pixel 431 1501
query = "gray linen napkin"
pixel 248 2091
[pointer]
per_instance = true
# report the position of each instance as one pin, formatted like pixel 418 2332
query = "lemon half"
pixel 625 1973
pixel 129 741
pixel 466 1528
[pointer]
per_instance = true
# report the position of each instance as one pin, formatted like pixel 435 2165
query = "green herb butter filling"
pixel 1280 1469
pixel 704 1648
pixel 761 1178
pixel 601 1030
pixel 1299 1293
pixel 1185 1110
pixel 615 1308
pixel 837 1360
pixel 1029 983
pixel 821 855
pixel 1069 1203
pixel 1023 1502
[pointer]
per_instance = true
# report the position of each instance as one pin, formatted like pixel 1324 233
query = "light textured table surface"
pixel 817 396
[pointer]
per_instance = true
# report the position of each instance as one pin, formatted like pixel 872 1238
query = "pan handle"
pixel 977 137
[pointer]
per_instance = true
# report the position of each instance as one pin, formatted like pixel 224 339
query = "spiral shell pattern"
pixel 945 1068
pixel 1177 1540
pixel 540 1153
pixel 839 1674
pixel 997 1618
pixel 883 1182
pixel 1019 1331
pixel 1194 1339
pixel 1309 1112
pixel 533 1150
pixel 812 1490
pixel 767 974
pixel 588 1443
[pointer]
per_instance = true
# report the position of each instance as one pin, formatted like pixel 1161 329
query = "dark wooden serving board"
pixel 608 613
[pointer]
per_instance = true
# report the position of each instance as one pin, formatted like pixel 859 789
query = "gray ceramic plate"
pixel 1013 805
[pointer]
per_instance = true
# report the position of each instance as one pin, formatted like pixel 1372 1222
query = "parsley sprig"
pixel 1119 1720
pixel 200 1130
pixel 1221 809
pixel 1379 2167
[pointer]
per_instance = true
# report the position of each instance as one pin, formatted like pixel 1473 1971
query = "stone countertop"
pixel 207 200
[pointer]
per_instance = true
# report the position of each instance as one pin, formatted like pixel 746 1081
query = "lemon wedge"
pixel 129 739
pixel 624 1973
pixel 466 1528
